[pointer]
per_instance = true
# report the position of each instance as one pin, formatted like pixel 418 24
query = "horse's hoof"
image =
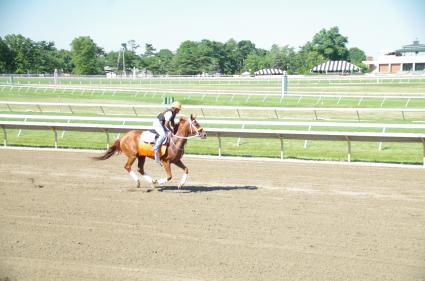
pixel 138 184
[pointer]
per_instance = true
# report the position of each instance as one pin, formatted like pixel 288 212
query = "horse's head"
pixel 195 128
pixel 192 127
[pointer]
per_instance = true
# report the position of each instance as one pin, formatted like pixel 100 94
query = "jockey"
pixel 163 125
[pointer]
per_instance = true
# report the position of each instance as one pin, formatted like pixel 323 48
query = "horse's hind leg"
pixel 167 167
pixel 140 164
pixel 186 173
pixel 133 175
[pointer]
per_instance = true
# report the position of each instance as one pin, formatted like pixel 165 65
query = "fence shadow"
pixel 202 188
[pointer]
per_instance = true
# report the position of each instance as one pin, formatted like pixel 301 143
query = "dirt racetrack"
pixel 65 217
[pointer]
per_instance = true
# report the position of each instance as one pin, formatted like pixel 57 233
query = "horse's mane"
pixel 181 121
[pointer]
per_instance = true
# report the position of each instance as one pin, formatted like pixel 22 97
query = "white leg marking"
pixel 147 178
pixel 161 181
pixel 134 176
pixel 183 180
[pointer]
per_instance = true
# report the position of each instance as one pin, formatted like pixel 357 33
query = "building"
pixel 410 58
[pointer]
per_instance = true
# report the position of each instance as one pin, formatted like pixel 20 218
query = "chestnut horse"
pixel 128 144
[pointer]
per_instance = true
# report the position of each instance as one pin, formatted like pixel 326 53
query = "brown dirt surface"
pixel 66 217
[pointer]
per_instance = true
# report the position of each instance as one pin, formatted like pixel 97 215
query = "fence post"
pixel 306 141
pixel 423 160
pixel 203 113
pixel 380 144
pixel 5 136
pixel 281 148
pixel 284 84
pixel 219 144
pixel 348 149
pixel 56 137
pixel 107 139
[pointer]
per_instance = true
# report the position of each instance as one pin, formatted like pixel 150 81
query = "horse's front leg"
pixel 186 173
pixel 167 167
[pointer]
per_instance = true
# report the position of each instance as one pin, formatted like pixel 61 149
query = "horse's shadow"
pixel 202 188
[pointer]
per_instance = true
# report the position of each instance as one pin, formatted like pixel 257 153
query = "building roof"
pixel 416 47
pixel 269 71
pixel 336 66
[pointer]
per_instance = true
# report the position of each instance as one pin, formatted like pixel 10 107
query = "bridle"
pixel 192 135
pixel 192 129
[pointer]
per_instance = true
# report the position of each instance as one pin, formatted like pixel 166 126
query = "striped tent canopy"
pixel 269 71
pixel 336 66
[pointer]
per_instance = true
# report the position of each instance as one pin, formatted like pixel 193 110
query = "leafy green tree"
pixel 22 53
pixel 231 57
pixel 65 61
pixel 244 48
pixel 186 59
pixel 357 56
pixel 164 61
pixel 5 58
pixel 85 55
pixel 46 57
pixel 149 50
pixel 330 44
pixel 305 60
pixel 256 60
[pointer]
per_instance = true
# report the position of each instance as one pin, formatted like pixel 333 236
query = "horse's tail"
pixel 111 151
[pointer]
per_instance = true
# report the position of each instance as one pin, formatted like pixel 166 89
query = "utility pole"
pixel 124 47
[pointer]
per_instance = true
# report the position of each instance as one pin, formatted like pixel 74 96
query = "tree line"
pixel 22 55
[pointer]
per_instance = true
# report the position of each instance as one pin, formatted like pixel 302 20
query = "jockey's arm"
pixel 169 126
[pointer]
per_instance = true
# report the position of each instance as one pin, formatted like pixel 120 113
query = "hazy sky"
pixel 371 25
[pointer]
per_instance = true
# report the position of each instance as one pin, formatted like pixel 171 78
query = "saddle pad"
pixel 146 149
pixel 148 137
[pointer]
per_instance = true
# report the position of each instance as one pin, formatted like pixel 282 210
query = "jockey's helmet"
pixel 177 105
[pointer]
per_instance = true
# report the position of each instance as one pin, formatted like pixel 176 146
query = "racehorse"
pixel 132 145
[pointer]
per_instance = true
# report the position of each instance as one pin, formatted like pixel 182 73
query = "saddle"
pixel 147 141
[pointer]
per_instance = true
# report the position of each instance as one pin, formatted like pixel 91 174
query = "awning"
pixel 269 71
pixel 336 66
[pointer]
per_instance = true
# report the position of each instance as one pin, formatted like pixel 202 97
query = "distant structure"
pixel 410 58
pixel 340 66
pixel 269 71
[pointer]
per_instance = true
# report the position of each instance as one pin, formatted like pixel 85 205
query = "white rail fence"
pixel 217 93
pixel 235 111
pixel 243 123
pixel 221 133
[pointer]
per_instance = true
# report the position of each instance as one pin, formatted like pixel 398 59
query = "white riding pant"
pixel 162 131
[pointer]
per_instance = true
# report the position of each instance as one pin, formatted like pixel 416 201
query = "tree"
pixel 330 44
pixel 46 57
pixel 164 60
pixel 22 53
pixel 5 57
pixel 357 56
pixel 85 54
pixel 244 48
pixel 231 56
pixel 149 50
pixel 186 59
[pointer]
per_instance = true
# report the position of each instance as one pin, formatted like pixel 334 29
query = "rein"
pixel 192 128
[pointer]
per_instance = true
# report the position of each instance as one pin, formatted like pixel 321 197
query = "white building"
pixel 410 58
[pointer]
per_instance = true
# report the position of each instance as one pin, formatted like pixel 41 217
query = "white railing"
pixel 220 133
pixel 265 92
pixel 234 111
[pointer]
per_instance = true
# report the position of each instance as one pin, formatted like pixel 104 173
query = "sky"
pixel 371 25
